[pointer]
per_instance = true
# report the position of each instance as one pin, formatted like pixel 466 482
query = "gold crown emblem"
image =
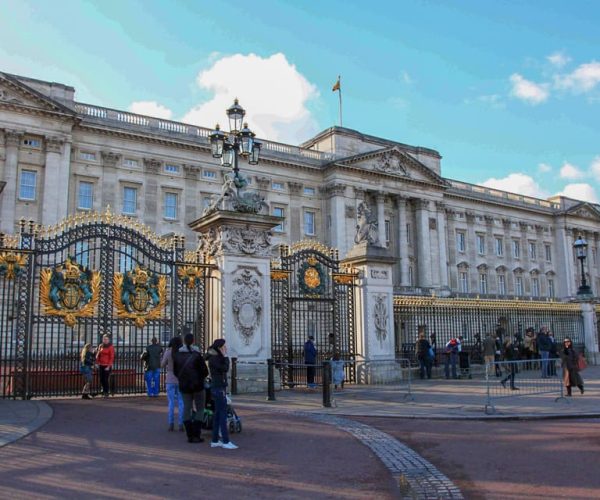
pixel 71 270
pixel 312 261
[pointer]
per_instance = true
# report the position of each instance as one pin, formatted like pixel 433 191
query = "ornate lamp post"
pixel 580 246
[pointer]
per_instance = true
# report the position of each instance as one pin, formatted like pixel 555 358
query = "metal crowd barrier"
pixel 253 376
pixel 527 379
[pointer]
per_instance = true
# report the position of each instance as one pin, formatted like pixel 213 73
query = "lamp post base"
pixel 584 290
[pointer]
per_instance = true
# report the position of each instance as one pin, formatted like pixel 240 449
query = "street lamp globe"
pixel 255 154
pixel 236 116
pixel 580 246
pixel 228 154
pixel 246 140
pixel 217 139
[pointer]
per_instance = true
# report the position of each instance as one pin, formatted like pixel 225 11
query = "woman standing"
pixel 190 369
pixel 423 351
pixel 173 394
pixel 218 363
pixel 105 357
pixel 510 355
pixel 570 366
pixel 88 359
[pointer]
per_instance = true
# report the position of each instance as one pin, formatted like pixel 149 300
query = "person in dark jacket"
pixel 190 369
pixel 310 360
pixel 88 360
pixel 423 352
pixel 151 358
pixel 510 354
pixel 218 363
pixel 570 366
pixel 544 345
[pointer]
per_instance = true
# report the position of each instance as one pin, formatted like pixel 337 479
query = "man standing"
pixel 489 352
pixel 151 358
pixel 544 345
pixel 310 359
pixel 452 349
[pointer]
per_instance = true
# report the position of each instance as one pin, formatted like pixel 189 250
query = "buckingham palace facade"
pixel 59 157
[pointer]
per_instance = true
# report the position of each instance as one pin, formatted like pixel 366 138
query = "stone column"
pixel 337 212
pixel 54 189
pixel 8 198
pixel 191 206
pixel 508 255
pixel 295 211
pixel 152 203
pixel 109 188
pixel 570 264
pixel 443 254
pixel 402 244
pixel 423 243
pixel 590 329
pixel 65 180
pixel 471 252
pixel 380 197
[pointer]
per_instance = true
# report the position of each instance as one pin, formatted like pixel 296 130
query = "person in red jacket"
pixel 105 357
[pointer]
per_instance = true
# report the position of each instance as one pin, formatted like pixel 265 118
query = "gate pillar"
pixel 374 301
pixel 239 244
pixel 590 331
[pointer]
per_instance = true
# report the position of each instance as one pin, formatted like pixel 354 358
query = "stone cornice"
pixel 295 188
pixel 54 144
pixel 13 137
pixel 110 159
pixel 152 165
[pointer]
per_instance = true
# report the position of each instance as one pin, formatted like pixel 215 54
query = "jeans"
pixel 450 360
pixel 510 376
pixel 104 378
pixel 152 378
pixel 189 398
pixel 545 355
pixel 173 395
pixel 310 374
pixel 425 366
pixel 220 416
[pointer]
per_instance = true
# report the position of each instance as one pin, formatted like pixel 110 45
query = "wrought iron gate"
pixel 94 274
pixel 311 296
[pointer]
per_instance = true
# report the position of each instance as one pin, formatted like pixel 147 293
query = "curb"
pixel 44 414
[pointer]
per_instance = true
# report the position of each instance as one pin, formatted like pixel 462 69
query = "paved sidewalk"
pixel 438 399
pixel 20 418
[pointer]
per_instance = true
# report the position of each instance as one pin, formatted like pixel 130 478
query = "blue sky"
pixel 507 91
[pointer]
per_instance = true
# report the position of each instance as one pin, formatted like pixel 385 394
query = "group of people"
pixel 187 382
pixel 540 347
pixel 310 361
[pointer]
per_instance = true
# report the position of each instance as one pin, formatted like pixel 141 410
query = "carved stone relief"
pixel 390 164
pixel 236 240
pixel 246 303
pixel 379 274
pixel 380 317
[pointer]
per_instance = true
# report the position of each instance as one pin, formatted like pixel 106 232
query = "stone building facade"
pixel 59 157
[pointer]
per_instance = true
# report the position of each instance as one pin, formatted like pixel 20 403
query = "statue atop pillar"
pixel 367 227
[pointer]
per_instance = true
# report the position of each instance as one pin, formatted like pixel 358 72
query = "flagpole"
pixel 340 96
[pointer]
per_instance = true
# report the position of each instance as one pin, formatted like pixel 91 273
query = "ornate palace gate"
pixel 94 274
pixel 311 295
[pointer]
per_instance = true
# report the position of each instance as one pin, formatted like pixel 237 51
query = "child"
pixel 337 371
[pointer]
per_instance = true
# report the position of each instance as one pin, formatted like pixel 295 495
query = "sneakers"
pixel 229 446
pixel 218 444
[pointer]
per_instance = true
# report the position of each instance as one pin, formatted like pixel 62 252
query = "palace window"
pixel 594 255
pixel 535 287
pixel 209 174
pixel 126 259
pixel 85 196
pixel 32 143
pixel 128 162
pixel 516 249
pixel 28 185
pixel 483 288
pixel 532 250
pixel 518 285
pixel 279 212
pixel 309 191
pixel 309 223
pixel 463 282
pixel 129 200
pixel 408 234
pixel 460 241
pixel 171 205
pixel 277 186
pixel 87 155
pixel 501 284
pixel 548 253
pixel 82 253
pixel 172 169
pixel 480 244
pixel 387 232
pixel 550 288
pixel 499 247
pixel 410 276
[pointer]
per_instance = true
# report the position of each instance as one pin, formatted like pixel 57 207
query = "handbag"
pixel 581 363
pixel 430 353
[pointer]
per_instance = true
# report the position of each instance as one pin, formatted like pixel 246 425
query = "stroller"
pixel 233 421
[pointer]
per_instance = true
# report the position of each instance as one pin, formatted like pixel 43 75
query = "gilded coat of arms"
pixel 190 275
pixel 139 295
pixel 311 277
pixel 70 291
pixel 12 265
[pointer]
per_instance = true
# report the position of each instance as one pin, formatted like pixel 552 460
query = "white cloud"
pixel 595 168
pixel 518 183
pixel 271 90
pixel 406 78
pixel 581 191
pixel 569 171
pixel 558 59
pixel 528 91
pixel 544 168
pixel 583 79
pixel 151 108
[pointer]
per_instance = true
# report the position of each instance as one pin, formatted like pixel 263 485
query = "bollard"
pixel 234 387
pixel 270 380
pixel 326 384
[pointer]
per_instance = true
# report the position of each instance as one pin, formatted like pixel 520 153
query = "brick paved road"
pixel 505 460
pixel 120 449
